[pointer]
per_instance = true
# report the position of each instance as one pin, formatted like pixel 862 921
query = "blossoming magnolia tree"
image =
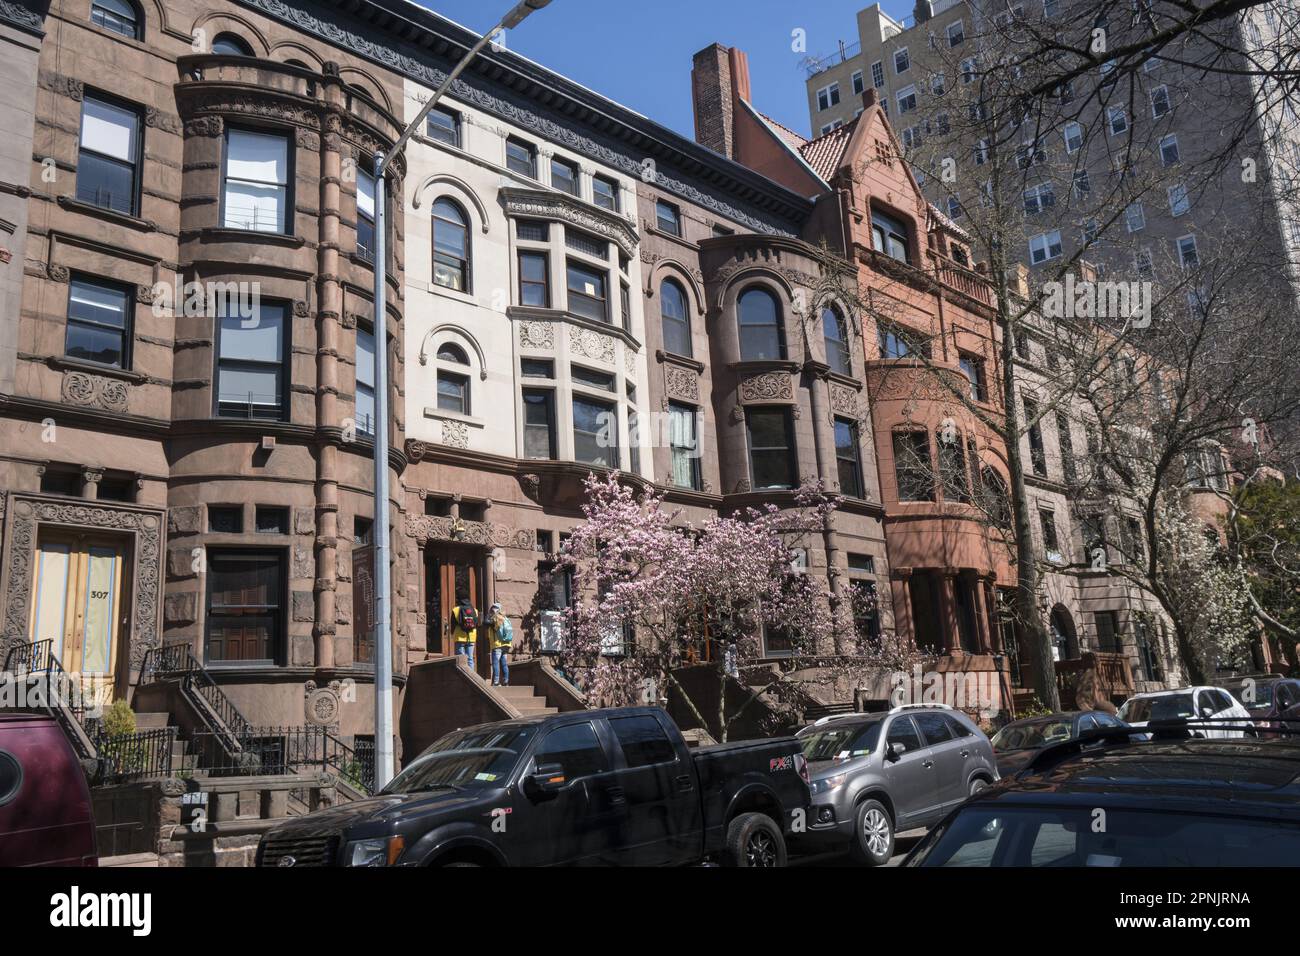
pixel 648 590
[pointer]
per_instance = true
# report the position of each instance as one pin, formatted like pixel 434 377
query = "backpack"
pixel 506 633
pixel 468 616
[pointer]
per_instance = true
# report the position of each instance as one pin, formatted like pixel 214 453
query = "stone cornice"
pixel 22 17
pixel 548 204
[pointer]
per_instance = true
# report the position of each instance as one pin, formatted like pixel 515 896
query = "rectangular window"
pixel 245 621
pixel 877 74
pixel 453 392
pixel 1051 546
pixel 521 157
pixel 1179 203
pixel 1039 198
pixel 604 193
pixel 848 458
pixel 1082 186
pixel 667 218
pixel 968 71
pixel 625 305
pixel 1037 454
pixel 587 294
pixel 1135 217
pixel 225 519
pixel 1073 137
pixel 1045 246
pixel 564 176
pixel 1160 104
pixel 108 158
pixel 592 378
pixel 595 433
pixel 533 230
pixel 271 520
pixel 1066 441
pixel 902 62
pixel 534 280
pixel 906 99
pixel 952 470
pixel 365 215
pixel 974 369
pixel 256 190
pixel 586 243
pixel 683 440
pixel 537 368
pixel 828 96
pixel 956 33
pixel 1169 150
pixel 99 322
pixel 365 410
pixel 912 470
pixel 858 84
pixel 771 448
pixel 252 355
pixel 1187 254
pixel 1108 632
pixel 539 423
pixel 1118 120
pixel 889 236
pixel 899 343
pixel 444 126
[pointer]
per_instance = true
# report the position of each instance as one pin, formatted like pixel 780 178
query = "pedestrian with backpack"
pixel 503 637
pixel 464 627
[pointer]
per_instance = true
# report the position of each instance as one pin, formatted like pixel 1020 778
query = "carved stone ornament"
pixel 145 589
pixel 455 434
pixel 94 391
pixel 681 382
pixel 844 401
pixel 204 126
pixel 535 204
pixel 766 387
pixel 591 344
pixel 537 335
pixel 425 528
pixel 531 485
pixel 321 705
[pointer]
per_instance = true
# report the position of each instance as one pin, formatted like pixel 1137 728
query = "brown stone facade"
pixel 142 455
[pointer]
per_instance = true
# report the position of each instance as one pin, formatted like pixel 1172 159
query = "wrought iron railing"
pixel 177 662
pixel 282 750
pixel 60 694
pixel 137 756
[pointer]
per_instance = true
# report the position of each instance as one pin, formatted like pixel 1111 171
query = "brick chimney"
pixel 719 80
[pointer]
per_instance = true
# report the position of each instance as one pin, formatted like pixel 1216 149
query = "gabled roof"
pixel 825 154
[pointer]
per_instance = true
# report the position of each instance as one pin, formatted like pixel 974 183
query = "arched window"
pixel 450 246
pixel 677 323
pixel 231 45
pixel 118 16
pixel 835 332
pixel 994 501
pixel 453 383
pixel 889 235
pixel 761 334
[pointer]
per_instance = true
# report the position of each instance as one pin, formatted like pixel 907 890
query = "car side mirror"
pixel 1207 711
pixel 546 778
pixel 895 751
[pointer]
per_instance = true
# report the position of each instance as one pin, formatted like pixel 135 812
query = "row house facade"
pixel 933 350
pixel 188 351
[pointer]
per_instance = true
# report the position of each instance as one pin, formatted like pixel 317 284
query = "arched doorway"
pixel 1065 642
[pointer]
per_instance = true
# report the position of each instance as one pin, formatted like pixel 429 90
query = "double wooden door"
pixel 80 605
pixel 450 571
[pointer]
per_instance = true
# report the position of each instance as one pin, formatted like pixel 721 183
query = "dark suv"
pixel 1171 802
pixel 874 775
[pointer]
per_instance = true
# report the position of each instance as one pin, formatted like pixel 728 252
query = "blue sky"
pixel 639 53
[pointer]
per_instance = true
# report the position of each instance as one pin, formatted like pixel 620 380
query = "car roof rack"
pixel 902 707
pixel 829 717
pixel 1156 730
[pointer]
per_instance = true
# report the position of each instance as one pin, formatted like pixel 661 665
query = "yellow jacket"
pixel 458 633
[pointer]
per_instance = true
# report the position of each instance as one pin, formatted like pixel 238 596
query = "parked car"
pixel 1270 699
pixel 874 775
pixel 1184 803
pixel 1017 742
pixel 46 817
pixel 604 787
pixel 1188 703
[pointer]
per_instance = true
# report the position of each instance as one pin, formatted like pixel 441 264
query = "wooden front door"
pixel 451 571
pixel 81 606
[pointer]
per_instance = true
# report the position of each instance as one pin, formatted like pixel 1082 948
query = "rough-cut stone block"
pixel 180 608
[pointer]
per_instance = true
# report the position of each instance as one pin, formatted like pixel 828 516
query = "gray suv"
pixel 876 774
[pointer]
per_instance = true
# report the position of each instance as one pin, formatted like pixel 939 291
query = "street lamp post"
pixel 383 604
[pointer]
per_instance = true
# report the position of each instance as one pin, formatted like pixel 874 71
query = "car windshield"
pixel 840 743
pixel 1168 707
pixel 983 835
pixel 1033 734
pixel 1255 693
pixel 467 758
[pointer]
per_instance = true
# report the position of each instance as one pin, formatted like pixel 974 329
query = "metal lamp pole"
pixel 383 604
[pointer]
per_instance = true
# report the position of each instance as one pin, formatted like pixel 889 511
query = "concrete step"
pixel 152 720
pixel 522 692
pixel 533 710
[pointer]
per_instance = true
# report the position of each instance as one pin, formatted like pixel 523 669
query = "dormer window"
pixel 889 235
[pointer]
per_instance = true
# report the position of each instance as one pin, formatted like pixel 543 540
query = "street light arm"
pixel 509 21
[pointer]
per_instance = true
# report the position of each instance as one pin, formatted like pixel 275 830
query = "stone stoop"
pixel 523 699
pixel 136 860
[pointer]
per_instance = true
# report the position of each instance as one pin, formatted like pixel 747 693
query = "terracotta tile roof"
pixel 786 133
pixel 939 216
pixel 825 154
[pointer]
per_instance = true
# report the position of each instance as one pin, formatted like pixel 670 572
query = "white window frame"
pixel 961 28
pixel 1075 127
pixel 1129 216
pixel 1045 243
pixel 878 75
pixel 857 82
pixel 1112 113
pixel 1169 101
pixel 832 96
pixel 969 70
pixel 1178 155
pixel 905 93
pixel 1035 195
pixel 1180 203
pixel 1182 257
pixel 907 57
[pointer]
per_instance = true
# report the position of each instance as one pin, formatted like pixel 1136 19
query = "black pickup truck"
pixel 615 787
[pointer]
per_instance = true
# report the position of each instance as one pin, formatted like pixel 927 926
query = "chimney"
pixel 719 80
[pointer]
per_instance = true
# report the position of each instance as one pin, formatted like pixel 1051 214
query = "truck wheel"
pixel 754 840
pixel 873 834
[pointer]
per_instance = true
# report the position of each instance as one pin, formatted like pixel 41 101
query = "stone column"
pixel 900 589
pixel 948 612
pixel 90 479
pixel 988 595
pixel 975 581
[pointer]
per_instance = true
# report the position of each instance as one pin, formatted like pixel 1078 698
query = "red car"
pixel 45 809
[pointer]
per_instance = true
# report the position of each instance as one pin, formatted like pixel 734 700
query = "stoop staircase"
pixel 527 701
